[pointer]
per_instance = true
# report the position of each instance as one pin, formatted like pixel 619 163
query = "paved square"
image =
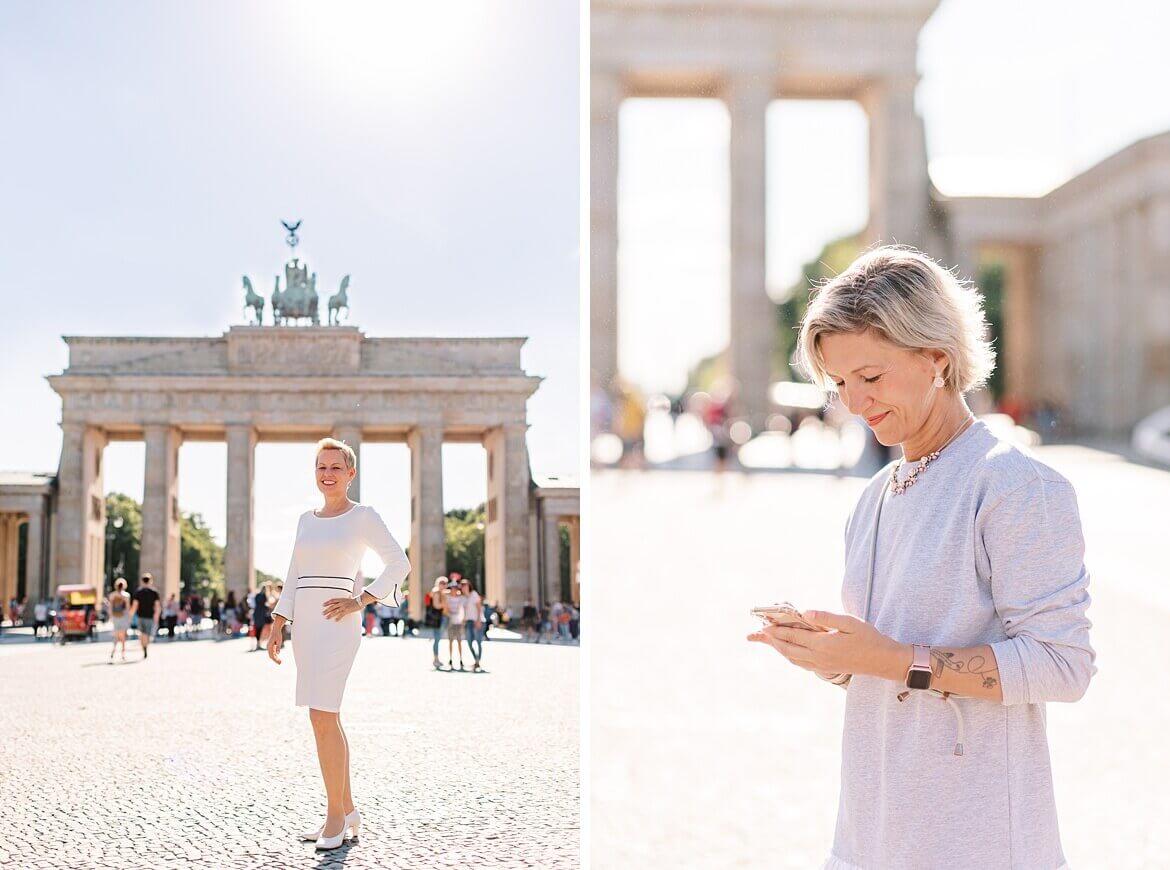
pixel 197 757
pixel 708 751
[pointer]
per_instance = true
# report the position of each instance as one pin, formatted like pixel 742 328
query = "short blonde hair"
pixel 334 444
pixel 910 301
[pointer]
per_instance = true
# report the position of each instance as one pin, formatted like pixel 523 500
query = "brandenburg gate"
pixel 292 383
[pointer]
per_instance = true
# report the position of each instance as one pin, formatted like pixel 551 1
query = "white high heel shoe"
pixel 353 822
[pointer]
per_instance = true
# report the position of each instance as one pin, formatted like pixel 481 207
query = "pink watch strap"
pixel 921 656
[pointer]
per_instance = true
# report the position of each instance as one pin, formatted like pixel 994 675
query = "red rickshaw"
pixel 77 616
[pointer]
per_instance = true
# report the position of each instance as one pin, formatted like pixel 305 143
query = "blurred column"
pixel 605 103
pixel 1019 324
pixel 7 581
pixel 81 534
pixel 753 317
pixel 551 534
pixel 351 434
pixel 161 534
pixel 428 546
pixel 575 560
pixel 34 565
pixel 239 563
pixel 509 575
pixel 899 187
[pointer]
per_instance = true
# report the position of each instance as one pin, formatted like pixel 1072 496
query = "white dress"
pixel 325 561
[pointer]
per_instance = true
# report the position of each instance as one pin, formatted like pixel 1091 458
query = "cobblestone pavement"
pixel 197 757
pixel 708 751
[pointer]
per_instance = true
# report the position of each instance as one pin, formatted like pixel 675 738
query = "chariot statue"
pixel 298 300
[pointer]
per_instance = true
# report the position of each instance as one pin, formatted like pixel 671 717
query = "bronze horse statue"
pixel 338 301
pixel 253 300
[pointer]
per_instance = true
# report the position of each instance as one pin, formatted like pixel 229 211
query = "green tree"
pixel 833 259
pixel 123 539
pixel 465 543
pixel 992 277
pixel 201 560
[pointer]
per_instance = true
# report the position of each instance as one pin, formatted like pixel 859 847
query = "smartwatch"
pixel 918 675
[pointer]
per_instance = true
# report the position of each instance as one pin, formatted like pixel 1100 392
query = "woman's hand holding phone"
pixel 830 643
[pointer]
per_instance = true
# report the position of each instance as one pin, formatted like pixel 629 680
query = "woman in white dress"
pixel 319 593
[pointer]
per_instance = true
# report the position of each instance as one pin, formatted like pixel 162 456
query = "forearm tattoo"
pixel 976 665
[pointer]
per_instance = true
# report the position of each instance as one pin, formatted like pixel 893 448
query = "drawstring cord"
pixel 954 705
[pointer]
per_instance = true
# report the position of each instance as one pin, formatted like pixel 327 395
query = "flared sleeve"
pixel 397 566
pixel 284 605
pixel 1035 552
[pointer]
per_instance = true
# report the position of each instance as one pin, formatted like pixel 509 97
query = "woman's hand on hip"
pixel 339 608
pixel 275 642
pixel 850 646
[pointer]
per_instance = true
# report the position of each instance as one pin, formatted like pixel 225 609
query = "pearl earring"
pixel 939 383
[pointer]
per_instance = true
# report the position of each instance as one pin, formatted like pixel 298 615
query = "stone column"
pixel 239 562
pixel 7 580
pixel 551 539
pixel 605 103
pixel 753 316
pixel 509 576
pixel 1018 355
pixel 428 540
pixel 575 560
pixel 352 435
pixel 160 509
pixel 899 188
pixel 81 510
pixel 34 582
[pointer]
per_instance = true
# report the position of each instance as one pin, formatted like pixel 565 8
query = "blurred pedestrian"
pixel 473 619
pixel 146 607
pixel 118 603
pixel 170 615
pixel 435 617
pixel 261 613
pixel 41 618
pixel 456 615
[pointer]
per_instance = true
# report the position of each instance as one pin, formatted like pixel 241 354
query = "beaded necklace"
pixel 900 487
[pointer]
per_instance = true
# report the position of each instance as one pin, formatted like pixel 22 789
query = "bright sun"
pixel 407 50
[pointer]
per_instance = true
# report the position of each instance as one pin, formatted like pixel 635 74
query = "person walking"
pixel 118 604
pixel 436 617
pixel 261 617
pixel 386 616
pixel 41 619
pixel 229 616
pixel 473 619
pixel 170 615
pixel 456 615
pixel 965 590
pixel 320 595
pixel 145 606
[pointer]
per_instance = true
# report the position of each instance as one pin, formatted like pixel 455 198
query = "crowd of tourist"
pixel 454 612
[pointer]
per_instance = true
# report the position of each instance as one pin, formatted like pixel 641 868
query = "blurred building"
pixel 1086 331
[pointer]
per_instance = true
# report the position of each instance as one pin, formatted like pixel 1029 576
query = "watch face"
pixel 917 679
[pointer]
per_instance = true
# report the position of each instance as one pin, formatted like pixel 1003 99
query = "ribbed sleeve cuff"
pixel 1012 679
pixel 278 612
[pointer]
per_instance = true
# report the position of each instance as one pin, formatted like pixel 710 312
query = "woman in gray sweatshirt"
pixel 965 589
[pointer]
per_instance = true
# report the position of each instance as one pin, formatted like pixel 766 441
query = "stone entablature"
pixel 266 349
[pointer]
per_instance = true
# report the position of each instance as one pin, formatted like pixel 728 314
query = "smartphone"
pixel 784 614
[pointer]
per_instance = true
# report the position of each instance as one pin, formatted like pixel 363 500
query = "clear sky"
pixel 149 151
pixel 1016 99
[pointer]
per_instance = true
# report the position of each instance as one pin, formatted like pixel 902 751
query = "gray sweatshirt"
pixel 985 548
